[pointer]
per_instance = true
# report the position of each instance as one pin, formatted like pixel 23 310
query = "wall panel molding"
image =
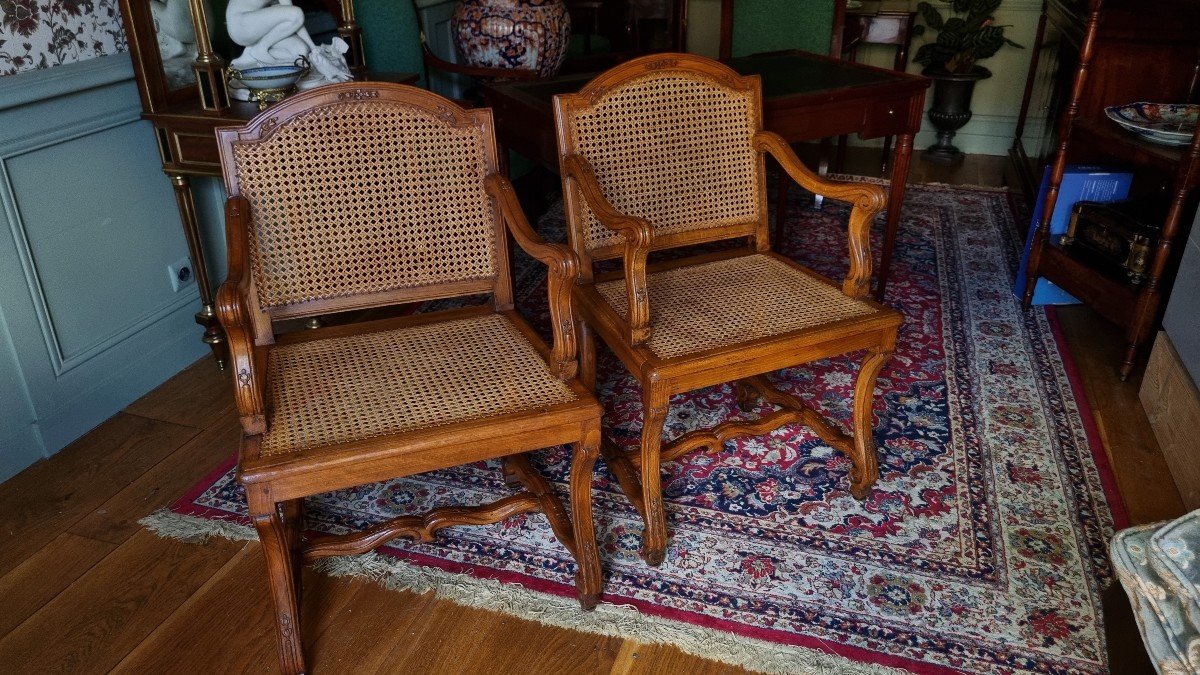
pixel 88 321
pixel 62 361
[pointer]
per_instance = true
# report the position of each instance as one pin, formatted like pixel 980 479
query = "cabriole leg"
pixel 283 575
pixel 654 536
pixel 865 469
pixel 588 578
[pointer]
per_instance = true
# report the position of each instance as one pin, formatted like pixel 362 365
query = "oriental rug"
pixel 983 548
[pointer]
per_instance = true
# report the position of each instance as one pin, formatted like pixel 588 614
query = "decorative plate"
pixel 1164 123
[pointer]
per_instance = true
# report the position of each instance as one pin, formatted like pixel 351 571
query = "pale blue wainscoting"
pixel 88 225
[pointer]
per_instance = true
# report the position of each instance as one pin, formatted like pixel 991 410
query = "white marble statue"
pixel 273 33
pixel 176 40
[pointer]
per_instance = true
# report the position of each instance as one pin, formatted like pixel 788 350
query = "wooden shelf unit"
pixel 1126 52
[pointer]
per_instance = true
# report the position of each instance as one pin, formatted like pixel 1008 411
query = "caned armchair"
pixel 361 195
pixel 666 151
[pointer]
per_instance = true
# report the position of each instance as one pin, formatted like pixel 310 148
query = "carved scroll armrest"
pixel 866 200
pixel 562 271
pixel 249 382
pixel 638 239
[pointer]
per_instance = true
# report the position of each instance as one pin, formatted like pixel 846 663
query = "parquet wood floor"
pixel 84 589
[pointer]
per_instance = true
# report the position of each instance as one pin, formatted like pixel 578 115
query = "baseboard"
pixel 1172 404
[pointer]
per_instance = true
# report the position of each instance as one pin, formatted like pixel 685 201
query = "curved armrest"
pixel 563 269
pixel 638 239
pixel 249 382
pixel 866 199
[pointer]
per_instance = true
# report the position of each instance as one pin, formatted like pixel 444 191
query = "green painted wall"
pixel 390 36
pixel 771 25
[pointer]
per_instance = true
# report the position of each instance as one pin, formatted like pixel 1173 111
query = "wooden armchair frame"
pixel 277 483
pixel 630 335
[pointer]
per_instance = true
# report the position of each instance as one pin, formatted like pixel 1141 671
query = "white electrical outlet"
pixel 181 274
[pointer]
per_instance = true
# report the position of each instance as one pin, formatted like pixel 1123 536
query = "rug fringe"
pixel 621 621
pixel 194 529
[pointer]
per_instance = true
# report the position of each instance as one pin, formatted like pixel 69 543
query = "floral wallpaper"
pixel 36 34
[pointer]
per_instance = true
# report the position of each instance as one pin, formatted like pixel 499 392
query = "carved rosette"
pixel 519 34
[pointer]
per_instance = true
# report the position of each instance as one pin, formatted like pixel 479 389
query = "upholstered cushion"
pixel 729 302
pixel 345 389
pixel 1173 554
pixel 1171 641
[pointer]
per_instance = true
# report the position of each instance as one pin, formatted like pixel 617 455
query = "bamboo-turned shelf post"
pixel 1128 52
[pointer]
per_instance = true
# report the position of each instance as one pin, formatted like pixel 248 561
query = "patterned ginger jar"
pixel 528 34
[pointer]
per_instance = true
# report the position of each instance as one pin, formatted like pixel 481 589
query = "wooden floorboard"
pixel 42 576
pixel 84 589
pixel 116 519
pixel 46 499
pixel 1143 478
pixel 214 643
pixel 195 397
pixel 108 611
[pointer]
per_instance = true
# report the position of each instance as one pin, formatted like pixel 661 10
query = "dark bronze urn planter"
pixel 951 110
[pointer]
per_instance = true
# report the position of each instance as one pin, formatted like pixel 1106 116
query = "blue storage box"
pixel 1081 182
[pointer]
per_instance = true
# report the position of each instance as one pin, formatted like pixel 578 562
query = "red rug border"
pixel 1108 478
pixel 186 506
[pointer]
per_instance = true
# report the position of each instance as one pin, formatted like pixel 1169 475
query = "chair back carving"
pixel 670 140
pixel 365 195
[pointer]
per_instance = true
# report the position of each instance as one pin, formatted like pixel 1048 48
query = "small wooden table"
pixel 805 97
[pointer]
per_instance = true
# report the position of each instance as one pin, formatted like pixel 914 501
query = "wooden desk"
pixel 188 147
pixel 805 97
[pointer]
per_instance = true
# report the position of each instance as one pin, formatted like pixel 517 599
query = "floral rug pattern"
pixel 982 548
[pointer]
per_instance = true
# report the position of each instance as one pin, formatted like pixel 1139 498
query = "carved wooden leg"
pixel 519 467
pixel 587 354
pixel 747 397
pixel 900 161
pixel 654 536
pixel 1131 353
pixel 269 519
pixel 865 470
pixel 293 521
pixel 588 578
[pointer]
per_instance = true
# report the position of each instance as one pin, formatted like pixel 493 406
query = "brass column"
pixel 209 66
pixel 207 316
pixel 352 34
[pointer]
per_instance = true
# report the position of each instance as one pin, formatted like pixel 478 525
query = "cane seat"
pixel 725 303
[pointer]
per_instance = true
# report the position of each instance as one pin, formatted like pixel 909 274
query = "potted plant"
pixel 969 35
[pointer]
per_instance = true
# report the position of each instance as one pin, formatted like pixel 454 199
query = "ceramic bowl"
pixel 1164 123
pixel 269 77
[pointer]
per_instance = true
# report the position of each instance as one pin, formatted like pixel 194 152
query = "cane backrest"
pixel 366 198
pixel 670 141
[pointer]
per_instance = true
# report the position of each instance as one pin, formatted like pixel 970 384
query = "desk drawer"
pixel 188 150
